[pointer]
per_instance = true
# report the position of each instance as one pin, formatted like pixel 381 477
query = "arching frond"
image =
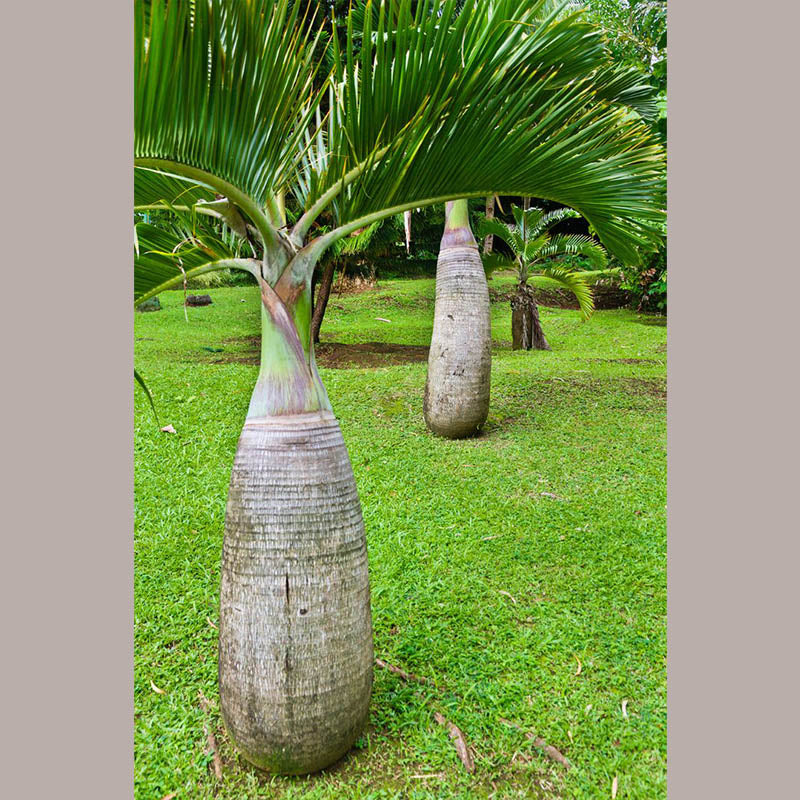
pixel 494 261
pixel 499 100
pixel 152 189
pixel 165 257
pixel 429 113
pixel 225 88
pixel 494 227
pixel 575 245
pixel 576 283
pixel 551 218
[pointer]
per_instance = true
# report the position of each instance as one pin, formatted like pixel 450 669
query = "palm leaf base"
pixel 526 329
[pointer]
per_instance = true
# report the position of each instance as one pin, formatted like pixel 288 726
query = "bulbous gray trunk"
pixel 295 631
pixel 456 401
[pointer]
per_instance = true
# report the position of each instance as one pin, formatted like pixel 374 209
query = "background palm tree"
pixel 233 124
pixel 457 386
pixel 532 245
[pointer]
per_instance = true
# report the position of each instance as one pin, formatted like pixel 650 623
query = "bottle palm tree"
pixel 232 123
pixel 457 386
pixel 532 246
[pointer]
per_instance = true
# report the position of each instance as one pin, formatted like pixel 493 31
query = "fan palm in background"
pixel 532 246
pixel 233 122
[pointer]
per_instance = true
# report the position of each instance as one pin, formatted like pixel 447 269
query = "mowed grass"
pixel 524 571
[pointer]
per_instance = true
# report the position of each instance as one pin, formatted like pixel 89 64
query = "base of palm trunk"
pixel 526 329
pixel 456 401
pixel 295 633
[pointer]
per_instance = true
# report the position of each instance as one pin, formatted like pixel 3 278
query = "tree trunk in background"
pixel 323 295
pixel 295 629
pixel 526 330
pixel 456 401
pixel 488 242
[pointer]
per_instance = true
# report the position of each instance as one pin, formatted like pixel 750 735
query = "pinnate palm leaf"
pixel 576 283
pixel 223 87
pixel 575 245
pixel 478 107
pixel 164 258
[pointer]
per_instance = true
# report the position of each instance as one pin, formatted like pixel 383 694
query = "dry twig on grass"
pixel 406 676
pixel 548 749
pixel 459 740
pixel 205 704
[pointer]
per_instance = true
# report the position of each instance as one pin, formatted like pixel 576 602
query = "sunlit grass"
pixel 523 570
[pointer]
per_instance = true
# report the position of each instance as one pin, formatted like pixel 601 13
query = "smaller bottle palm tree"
pixel 533 246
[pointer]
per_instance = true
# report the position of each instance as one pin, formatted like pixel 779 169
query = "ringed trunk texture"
pixel 295 630
pixel 526 329
pixel 456 401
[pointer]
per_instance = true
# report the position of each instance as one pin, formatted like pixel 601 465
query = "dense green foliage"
pixel 637 36
pixel 498 564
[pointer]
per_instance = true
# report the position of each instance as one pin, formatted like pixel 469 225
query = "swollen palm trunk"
pixel 295 635
pixel 460 359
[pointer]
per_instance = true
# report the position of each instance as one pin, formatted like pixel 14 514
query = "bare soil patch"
pixel 605 297
pixel 332 355
pixel 336 355
pixel 624 360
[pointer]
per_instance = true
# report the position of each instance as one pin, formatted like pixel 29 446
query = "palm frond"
pixel 223 88
pixel 494 227
pixel 628 86
pixel 574 282
pixel 358 241
pixel 165 257
pixel 527 219
pixel 575 245
pixel 551 218
pixel 152 189
pixel 431 112
pixel 492 262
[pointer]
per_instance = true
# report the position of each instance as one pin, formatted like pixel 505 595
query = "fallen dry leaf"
pixel 208 620
pixel 625 709
pixel 509 596
pixel 459 740
pixel 156 689
pixel 614 785
pixel 580 666
pixel 496 536
pixel 381 319
pixel 174 794
pixel 551 752
pixel 168 429
pixel 213 752
pixel 401 673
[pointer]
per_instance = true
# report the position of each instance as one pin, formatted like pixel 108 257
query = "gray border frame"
pixel 733 105
pixel 68 663
pixel 67 140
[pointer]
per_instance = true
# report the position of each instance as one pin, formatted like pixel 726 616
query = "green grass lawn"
pixel 524 570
